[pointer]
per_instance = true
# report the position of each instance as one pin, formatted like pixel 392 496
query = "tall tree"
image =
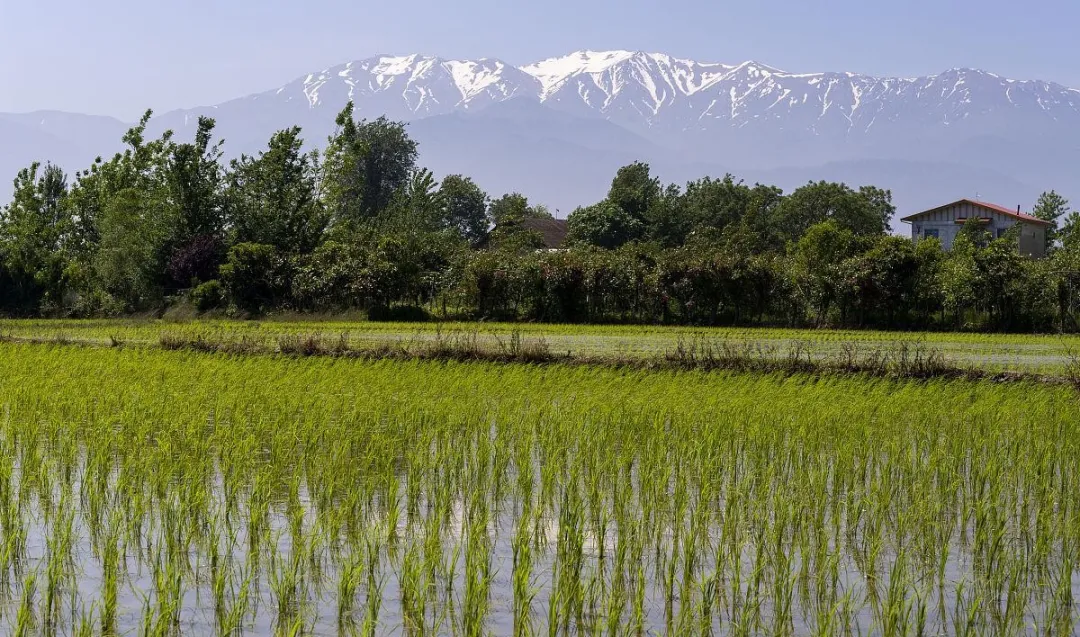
pixel 273 199
pixel 135 229
pixel 367 165
pixel 1050 207
pixel 669 222
pixel 193 175
pixel 634 190
pixel 1070 231
pixel 816 261
pixel 508 213
pixel 33 228
pixel 510 208
pixel 605 225
pixel 464 207
pixel 421 198
pixel 717 203
pixel 865 212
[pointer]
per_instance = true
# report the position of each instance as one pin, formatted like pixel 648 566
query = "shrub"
pixel 256 277
pixel 209 296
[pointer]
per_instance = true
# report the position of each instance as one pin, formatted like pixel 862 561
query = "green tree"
pixel 135 229
pixel 976 232
pixel 421 200
pixel 1050 207
pixel 865 212
pixel 138 167
pixel 1070 231
pixel 367 165
pixel 717 203
pixel 193 176
pixel 634 190
pixel 273 199
pixel 508 213
pixel 464 208
pixel 256 277
pixel 605 225
pixel 889 283
pixel 1002 282
pixel 959 277
pixel 513 208
pixel 929 257
pixel 668 222
pixel 33 231
pixel 816 263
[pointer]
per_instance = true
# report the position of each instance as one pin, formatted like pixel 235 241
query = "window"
pixel 1001 232
pixel 930 232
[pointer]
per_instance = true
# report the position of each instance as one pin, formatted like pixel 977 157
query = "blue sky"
pixel 117 57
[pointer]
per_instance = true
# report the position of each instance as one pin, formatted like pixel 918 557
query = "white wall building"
pixel 945 222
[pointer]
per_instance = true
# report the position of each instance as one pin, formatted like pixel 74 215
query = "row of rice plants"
pixel 166 492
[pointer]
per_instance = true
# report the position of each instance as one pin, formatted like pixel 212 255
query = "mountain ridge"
pixel 599 80
pixel 956 130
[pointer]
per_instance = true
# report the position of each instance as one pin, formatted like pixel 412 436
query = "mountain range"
pixel 558 129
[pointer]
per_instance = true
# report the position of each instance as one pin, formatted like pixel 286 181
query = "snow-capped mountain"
pixel 651 89
pixel 663 95
pixel 414 85
pixel 571 119
pixel 654 90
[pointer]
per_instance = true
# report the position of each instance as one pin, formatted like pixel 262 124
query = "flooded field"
pixel 170 492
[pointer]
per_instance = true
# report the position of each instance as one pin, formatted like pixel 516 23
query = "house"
pixel 552 230
pixel 944 222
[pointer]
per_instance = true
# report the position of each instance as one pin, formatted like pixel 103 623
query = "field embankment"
pixel 1005 355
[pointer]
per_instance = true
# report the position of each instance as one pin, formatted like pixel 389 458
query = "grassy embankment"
pixel 1035 355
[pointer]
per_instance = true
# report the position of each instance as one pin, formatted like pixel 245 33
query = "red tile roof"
pixel 1008 212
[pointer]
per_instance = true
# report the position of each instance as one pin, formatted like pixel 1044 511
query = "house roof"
pixel 553 230
pixel 1008 212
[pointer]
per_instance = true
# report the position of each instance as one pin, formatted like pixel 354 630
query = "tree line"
pixel 362 226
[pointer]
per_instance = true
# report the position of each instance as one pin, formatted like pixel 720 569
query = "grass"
pixel 154 491
pixel 994 353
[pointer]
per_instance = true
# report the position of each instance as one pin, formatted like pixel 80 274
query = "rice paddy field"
pixel 1018 353
pixel 145 491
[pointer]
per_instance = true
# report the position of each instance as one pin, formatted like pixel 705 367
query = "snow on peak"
pixel 553 72
pixel 474 77
pixel 657 88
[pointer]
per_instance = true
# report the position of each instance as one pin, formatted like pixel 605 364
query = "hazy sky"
pixel 117 57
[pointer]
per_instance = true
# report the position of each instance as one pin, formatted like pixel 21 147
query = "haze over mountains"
pixel 558 129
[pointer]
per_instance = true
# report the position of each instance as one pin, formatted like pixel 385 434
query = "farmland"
pixel 1022 353
pixel 150 491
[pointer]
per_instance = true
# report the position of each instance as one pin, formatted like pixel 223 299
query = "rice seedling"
pixel 207 490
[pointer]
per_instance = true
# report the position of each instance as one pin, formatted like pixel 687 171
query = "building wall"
pixel 944 223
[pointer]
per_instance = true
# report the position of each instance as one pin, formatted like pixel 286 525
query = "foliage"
pixel 864 212
pixel 367 164
pixel 273 199
pixel 1051 207
pixel 134 229
pixel 605 224
pixel 209 296
pixel 464 208
pixel 34 230
pixel 256 276
pixel 365 228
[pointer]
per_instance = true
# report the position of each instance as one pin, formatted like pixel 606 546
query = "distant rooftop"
pixel 1009 212
pixel 552 230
